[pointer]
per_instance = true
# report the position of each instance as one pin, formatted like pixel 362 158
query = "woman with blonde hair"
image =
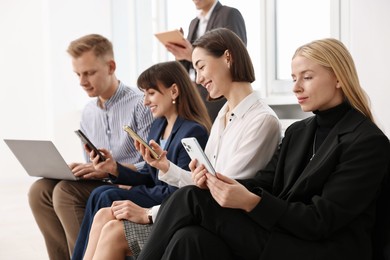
pixel 343 67
pixel 316 199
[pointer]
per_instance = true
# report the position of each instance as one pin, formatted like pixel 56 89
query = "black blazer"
pixel 326 211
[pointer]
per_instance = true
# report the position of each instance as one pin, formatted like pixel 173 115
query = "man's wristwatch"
pixel 149 213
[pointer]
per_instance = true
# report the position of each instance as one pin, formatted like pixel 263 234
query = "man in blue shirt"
pixel 58 205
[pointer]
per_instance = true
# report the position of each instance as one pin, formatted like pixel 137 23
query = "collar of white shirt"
pixel 205 18
pixel 242 107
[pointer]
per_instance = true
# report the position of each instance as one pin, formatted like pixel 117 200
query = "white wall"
pixel 41 98
pixel 369 45
pixel 23 104
pixel 41 95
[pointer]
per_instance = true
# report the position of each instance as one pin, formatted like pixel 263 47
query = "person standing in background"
pixel 58 205
pixel 212 15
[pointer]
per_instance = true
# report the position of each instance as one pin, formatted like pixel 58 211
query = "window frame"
pixel 277 91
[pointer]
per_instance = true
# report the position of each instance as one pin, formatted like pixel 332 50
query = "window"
pixel 291 24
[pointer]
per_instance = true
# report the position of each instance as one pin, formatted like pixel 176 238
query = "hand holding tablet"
pixel 174 36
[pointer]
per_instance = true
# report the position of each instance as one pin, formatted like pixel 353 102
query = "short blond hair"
pixel 100 46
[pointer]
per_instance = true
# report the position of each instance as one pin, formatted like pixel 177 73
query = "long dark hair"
pixel 189 103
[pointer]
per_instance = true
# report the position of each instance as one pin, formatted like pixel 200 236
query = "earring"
pixel 173 101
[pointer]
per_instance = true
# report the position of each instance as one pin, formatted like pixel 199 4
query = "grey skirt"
pixel 136 236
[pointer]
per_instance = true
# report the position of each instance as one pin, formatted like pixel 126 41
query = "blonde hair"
pixel 333 54
pixel 100 46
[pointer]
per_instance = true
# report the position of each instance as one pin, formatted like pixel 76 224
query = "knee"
pixel 104 215
pixel 41 192
pixel 63 194
pixel 113 230
pixel 65 186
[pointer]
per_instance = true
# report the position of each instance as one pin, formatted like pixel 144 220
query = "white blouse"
pixel 240 149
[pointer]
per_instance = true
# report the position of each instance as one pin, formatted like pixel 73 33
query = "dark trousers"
pixel 102 197
pixel 191 225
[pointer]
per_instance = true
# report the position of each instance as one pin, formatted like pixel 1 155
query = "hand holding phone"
pixel 195 151
pixel 135 136
pixel 90 145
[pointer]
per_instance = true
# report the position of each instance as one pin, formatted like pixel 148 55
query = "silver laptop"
pixel 40 159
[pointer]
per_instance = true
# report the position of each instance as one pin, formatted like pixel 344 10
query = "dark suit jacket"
pixel 222 17
pixel 326 211
pixel 146 180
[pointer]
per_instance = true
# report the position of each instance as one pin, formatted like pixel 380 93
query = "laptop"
pixel 40 159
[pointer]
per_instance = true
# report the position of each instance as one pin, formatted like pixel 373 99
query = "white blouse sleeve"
pixel 154 212
pixel 176 176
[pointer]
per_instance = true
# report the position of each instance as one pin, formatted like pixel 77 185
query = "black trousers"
pixel 191 225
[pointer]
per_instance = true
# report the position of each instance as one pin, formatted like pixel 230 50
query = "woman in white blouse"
pixel 245 126
pixel 244 129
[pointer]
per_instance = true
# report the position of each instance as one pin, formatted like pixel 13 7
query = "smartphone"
pixel 90 145
pixel 135 136
pixel 195 151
